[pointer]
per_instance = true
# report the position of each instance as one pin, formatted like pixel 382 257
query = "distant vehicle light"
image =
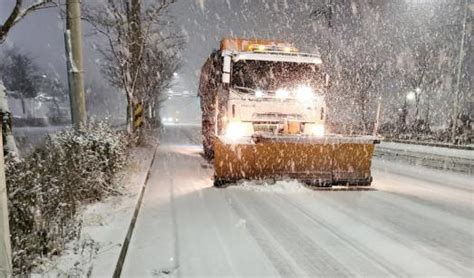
pixel 304 93
pixel 282 93
pixel 259 93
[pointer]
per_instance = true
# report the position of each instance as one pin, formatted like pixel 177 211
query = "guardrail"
pixel 438 160
pixel 432 144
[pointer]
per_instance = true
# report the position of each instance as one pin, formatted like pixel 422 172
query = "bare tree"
pixel 20 75
pixel 24 79
pixel 422 75
pixel 55 93
pixel 9 145
pixel 141 51
pixel 357 79
pixel 20 10
pixel 355 69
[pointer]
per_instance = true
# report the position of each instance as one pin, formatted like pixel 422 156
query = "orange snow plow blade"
pixel 317 161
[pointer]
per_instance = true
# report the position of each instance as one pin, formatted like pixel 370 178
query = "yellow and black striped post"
pixel 137 116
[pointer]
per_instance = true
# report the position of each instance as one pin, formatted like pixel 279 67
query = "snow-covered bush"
pixel 46 188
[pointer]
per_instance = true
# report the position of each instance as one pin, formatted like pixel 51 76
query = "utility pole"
pixel 73 42
pixel 377 118
pixel 5 247
pixel 458 76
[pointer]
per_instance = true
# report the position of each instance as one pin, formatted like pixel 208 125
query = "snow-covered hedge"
pixel 46 188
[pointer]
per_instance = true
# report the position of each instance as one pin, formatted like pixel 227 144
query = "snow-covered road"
pixel 416 221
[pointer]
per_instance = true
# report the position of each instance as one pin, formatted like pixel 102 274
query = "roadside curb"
pixel 123 252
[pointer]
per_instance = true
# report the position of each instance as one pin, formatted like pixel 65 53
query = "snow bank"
pixel 290 186
pixel 429 156
pixel 103 228
pixel 411 148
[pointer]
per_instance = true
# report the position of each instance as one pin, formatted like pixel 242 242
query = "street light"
pixel 411 96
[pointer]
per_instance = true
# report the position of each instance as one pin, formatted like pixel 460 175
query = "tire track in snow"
pixel 426 209
pixel 175 268
pixel 309 256
pixel 384 264
pixel 283 263
pixel 197 240
pixel 403 228
pixel 215 230
pixel 456 256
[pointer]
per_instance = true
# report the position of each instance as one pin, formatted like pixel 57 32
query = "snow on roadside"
pixel 290 186
pixel 104 226
pixel 411 148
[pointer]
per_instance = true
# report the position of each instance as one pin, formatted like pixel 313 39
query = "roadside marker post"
pixel 137 116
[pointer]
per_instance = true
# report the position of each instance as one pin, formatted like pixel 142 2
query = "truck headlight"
pixel 304 93
pixel 236 130
pixel 282 93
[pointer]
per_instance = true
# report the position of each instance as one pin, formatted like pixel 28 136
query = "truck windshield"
pixel 274 75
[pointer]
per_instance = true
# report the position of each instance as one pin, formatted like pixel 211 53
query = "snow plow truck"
pixel 263 118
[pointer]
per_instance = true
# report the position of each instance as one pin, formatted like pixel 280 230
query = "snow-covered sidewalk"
pixel 104 227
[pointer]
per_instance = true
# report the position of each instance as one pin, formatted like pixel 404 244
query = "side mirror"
pixel 226 70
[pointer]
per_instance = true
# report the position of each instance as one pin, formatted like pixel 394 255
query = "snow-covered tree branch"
pixel 19 11
pixel 141 49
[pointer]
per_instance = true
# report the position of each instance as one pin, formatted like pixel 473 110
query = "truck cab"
pixel 264 87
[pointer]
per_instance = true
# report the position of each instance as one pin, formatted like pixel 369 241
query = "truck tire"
pixel 208 139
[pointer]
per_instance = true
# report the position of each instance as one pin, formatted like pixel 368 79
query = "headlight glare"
pixel 236 130
pixel 318 130
pixel 259 93
pixel 282 93
pixel 304 93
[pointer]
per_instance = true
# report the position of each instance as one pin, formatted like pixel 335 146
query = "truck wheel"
pixel 207 139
